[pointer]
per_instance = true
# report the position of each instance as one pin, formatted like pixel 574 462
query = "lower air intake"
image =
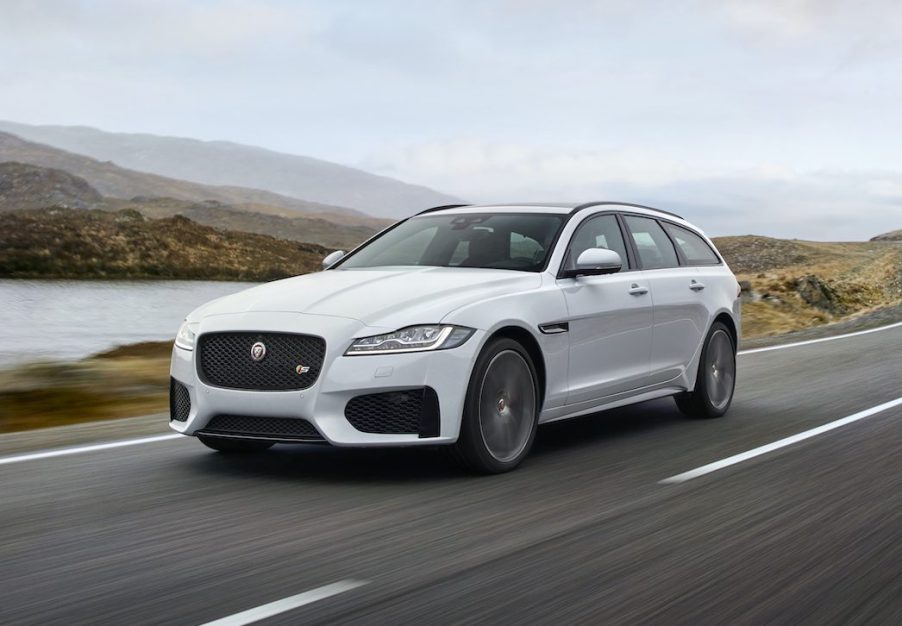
pixel 179 401
pixel 412 412
pixel 276 428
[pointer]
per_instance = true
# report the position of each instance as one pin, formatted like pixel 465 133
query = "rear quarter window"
pixel 695 250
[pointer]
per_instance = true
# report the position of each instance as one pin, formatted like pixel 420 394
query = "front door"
pixel 610 319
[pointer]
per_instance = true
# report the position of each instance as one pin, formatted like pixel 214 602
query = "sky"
pixel 777 117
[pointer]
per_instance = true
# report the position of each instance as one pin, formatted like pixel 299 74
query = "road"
pixel 584 531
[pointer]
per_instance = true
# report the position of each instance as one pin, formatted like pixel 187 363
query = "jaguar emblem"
pixel 258 351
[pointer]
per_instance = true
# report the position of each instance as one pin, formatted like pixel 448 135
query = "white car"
pixel 466 326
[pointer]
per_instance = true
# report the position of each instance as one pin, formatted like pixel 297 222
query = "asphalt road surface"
pixel 585 531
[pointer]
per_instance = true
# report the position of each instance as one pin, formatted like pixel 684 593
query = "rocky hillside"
pixel 789 285
pixel 118 182
pixel 226 217
pixel 227 163
pixel 72 243
pixel 24 186
pixel 28 187
pixel 895 235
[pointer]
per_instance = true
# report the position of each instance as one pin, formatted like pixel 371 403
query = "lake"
pixel 70 319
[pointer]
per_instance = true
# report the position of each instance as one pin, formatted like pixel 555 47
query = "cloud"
pixel 766 199
pixel 769 112
pixel 791 22
pixel 150 30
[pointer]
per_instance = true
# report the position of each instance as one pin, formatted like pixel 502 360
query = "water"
pixel 69 319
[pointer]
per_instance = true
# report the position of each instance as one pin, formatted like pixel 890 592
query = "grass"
pixel 123 382
pixel 859 277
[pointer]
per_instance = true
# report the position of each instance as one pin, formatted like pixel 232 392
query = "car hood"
pixel 385 297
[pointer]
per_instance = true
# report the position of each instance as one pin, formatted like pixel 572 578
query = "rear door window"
pixel 655 249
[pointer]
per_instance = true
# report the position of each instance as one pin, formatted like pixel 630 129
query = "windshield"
pixel 508 241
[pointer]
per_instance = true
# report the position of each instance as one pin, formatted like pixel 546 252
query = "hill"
pixel 73 243
pixel 895 235
pixel 25 186
pixel 790 285
pixel 225 163
pixel 226 217
pixel 118 182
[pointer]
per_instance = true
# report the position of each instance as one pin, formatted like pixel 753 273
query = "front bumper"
pixel 342 378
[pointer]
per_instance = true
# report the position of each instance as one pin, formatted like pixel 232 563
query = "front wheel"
pixel 501 410
pixel 716 378
pixel 234 446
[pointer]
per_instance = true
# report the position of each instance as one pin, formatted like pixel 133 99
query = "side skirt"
pixel 611 402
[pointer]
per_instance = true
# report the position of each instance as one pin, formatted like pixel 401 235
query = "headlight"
pixel 412 339
pixel 186 335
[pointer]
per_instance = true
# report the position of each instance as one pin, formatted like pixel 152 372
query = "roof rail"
pixel 586 205
pixel 444 206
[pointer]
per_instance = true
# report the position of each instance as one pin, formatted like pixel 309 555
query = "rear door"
pixel 680 314
pixel 610 318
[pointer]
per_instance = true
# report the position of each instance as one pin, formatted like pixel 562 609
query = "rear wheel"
pixel 234 446
pixel 716 378
pixel 501 409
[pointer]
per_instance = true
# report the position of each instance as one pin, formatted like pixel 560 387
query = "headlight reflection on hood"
pixel 412 339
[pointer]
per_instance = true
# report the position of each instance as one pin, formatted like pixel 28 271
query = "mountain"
pixel 895 235
pixel 226 163
pixel 118 182
pixel 73 243
pixel 25 186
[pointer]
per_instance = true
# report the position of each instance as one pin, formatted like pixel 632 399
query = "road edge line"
pixel 780 443
pixel 819 340
pixel 48 454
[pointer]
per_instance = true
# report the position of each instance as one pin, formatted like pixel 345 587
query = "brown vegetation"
pixel 799 284
pixel 124 382
pixel 69 243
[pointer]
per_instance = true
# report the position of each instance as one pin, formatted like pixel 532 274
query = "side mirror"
pixel 595 261
pixel 332 258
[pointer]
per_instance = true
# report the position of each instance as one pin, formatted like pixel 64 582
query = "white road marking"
pixel 49 454
pixel 782 443
pixel 287 604
pixel 810 341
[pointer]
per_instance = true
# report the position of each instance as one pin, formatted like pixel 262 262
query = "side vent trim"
pixel 554 328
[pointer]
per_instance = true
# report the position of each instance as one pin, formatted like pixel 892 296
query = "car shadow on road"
pixel 325 464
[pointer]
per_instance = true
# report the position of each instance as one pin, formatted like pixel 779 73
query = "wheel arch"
pixel 727 320
pixel 532 347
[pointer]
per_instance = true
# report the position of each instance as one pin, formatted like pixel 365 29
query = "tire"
pixel 716 378
pixel 501 410
pixel 234 446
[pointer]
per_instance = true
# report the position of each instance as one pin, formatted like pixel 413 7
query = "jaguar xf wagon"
pixel 466 327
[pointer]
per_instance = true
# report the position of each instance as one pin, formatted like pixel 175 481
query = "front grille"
pixel 414 411
pixel 224 360
pixel 179 401
pixel 264 427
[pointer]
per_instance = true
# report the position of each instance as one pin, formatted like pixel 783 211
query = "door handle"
pixel 694 285
pixel 636 290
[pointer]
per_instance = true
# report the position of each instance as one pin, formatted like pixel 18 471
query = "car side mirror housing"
pixel 594 262
pixel 332 258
